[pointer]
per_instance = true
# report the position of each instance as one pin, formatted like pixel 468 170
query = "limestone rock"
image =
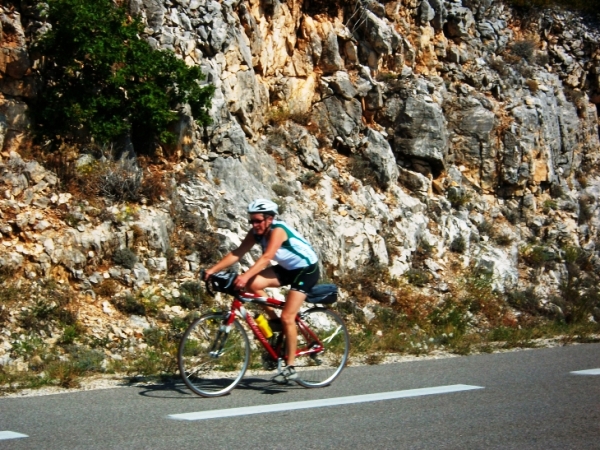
pixel 420 131
pixel 378 151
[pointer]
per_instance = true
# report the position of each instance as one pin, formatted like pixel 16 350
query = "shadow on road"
pixel 177 389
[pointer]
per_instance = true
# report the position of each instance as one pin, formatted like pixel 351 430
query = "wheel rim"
pixel 217 374
pixel 321 369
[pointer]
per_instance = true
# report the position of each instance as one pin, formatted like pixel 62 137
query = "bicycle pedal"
pixel 316 359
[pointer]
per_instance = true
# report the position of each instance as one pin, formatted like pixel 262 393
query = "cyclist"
pixel 297 265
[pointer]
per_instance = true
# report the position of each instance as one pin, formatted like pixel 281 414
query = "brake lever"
pixel 206 283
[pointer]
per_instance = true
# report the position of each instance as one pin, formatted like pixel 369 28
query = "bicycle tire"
pixel 318 370
pixel 216 373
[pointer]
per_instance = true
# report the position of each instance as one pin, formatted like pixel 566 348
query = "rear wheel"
pixel 212 361
pixel 323 347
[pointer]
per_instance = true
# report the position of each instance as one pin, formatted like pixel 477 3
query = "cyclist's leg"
pixel 303 282
pixel 293 303
pixel 266 278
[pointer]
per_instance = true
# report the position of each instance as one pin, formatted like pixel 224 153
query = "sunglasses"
pixel 256 221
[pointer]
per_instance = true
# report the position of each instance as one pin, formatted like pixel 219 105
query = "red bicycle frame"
pixel 314 346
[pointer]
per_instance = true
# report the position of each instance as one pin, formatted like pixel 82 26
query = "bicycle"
pixel 214 352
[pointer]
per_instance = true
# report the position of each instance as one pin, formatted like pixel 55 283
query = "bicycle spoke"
pixel 211 361
pixel 316 369
pixel 334 334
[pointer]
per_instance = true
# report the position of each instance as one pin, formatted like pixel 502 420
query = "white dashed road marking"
pixel 587 372
pixel 4 435
pixel 260 409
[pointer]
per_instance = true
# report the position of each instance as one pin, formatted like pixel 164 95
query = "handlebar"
pixel 206 283
pixel 228 288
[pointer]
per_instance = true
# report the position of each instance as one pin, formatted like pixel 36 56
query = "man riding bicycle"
pixel 297 265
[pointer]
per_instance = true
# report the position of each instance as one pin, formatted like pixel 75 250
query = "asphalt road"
pixel 529 400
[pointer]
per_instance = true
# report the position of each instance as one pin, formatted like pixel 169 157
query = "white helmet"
pixel 262 206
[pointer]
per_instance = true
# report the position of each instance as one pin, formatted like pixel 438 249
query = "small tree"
pixel 100 80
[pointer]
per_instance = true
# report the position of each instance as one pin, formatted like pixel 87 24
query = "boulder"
pixel 379 34
pixel 416 182
pixel 341 85
pixel 330 60
pixel 378 151
pixel 426 12
pixel 460 21
pixel 420 131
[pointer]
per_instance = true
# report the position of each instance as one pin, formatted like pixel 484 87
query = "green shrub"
pixel 580 295
pixel 459 244
pixel 524 48
pixel 4 314
pixel 458 197
pixel 281 205
pixel 179 325
pixel 499 65
pixel 524 300
pixel 485 227
pixel 108 288
pixel 571 254
pixel 155 337
pixel 70 333
pixel 366 281
pixel 417 277
pixel 542 59
pixel 282 190
pixel 536 256
pixel 175 264
pixel 392 245
pixel 27 346
pixel 362 169
pixel 504 239
pixel 586 211
pixel 86 360
pixel 120 181
pixel 43 312
pixel 207 247
pixel 512 215
pixel 154 362
pixel 549 205
pixel 310 179
pixel 450 317
pixel 100 80
pixel 129 304
pixel 277 115
pixel 192 296
pixel 64 373
pixel 205 242
pixel 125 257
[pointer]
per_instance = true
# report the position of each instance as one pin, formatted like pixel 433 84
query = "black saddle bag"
pixel 324 294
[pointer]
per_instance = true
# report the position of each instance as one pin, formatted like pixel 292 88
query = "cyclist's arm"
pixel 234 256
pixel 276 239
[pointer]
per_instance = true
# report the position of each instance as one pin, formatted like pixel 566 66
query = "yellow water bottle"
pixel 263 324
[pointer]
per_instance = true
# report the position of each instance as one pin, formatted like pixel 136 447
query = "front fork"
pixel 216 349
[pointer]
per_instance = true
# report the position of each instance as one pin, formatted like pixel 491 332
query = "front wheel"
pixel 213 360
pixel 323 347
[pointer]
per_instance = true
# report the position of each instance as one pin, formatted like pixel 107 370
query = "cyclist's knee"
pixel 254 285
pixel 288 318
pixel 258 283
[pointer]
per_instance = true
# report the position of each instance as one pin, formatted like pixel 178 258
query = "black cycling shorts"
pixel 301 280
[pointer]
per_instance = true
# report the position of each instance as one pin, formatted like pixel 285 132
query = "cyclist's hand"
pixel 208 273
pixel 241 281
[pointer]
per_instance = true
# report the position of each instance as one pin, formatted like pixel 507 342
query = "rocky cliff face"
pixel 385 128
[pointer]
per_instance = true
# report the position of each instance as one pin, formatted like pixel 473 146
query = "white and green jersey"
pixel 295 252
